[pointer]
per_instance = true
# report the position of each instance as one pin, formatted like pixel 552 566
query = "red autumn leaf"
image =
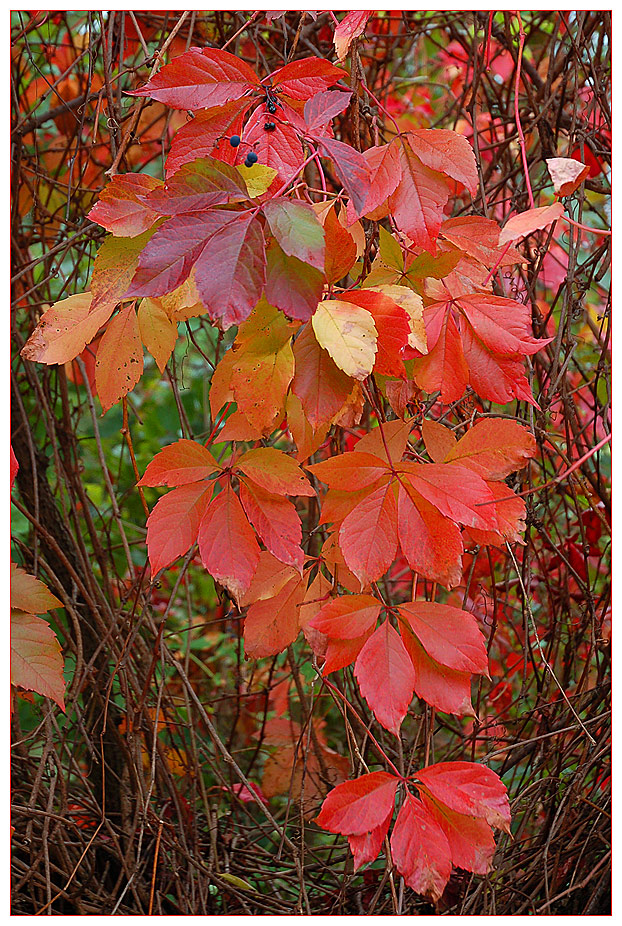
pixel 14 465
pixel 36 657
pixel 323 107
pixel 196 187
pixel 207 135
pixel 173 525
pixel 368 536
pixel 166 261
pixel 297 230
pixel 119 209
pixel 227 544
pixel 180 463
pixel 471 841
pixel 468 788
pixel 420 849
pixel 494 448
pixel 200 78
pixel 276 521
pixel 280 149
pixel 510 515
pixel 445 689
pixel 342 653
pixel 358 807
pixel 418 201
pixel 350 28
pixel 291 285
pixel 448 152
pixel 230 274
pixel 318 382
pixel 272 624
pixel 439 440
pixel 486 351
pixel 340 248
pixel 349 472
pixel 431 543
pixel 457 492
pixel 386 677
pixel 119 363
pixel 392 326
pixel 30 594
pixel 449 635
pixel 479 238
pixel 385 173
pixel 387 441
pixel 351 168
pixel 275 471
pixel 365 848
pixel 347 617
pixel 530 221
pixel 302 79
pixel 270 577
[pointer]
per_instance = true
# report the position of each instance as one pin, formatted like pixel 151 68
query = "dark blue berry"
pixel 269 126
pixel 251 157
pixel 234 141
pixel 248 163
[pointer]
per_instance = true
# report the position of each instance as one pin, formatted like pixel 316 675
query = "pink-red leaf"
pixel 173 525
pixel 468 788
pixel 365 848
pixel 357 807
pixel 347 617
pixel 368 535
pixel 420 849
pixel 324 106
pixel 386 677
pixel 350 167
pixel 276 521
pixel 179 464
pixel 318 382
pixel 120 211
pixel 227 544
pixel 431 543
pixel 449 635
pixel 199 78
pixel 291 285
pixel 530 221
pixel 302 79
pixel 471 841
pixel 448 152
pixel 208 135
pixel 350 28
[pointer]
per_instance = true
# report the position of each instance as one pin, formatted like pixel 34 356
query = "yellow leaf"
pixel 157 332
pixel 236 882
pixel 257 178
pixel 349 335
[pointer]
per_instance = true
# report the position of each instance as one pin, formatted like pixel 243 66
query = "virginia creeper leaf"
pixel 227 544
pixel 368 535
pixel 365 848
pixel 199 78
pixel 30 594
pixel 449 635
pixel 291 285
pixel 468 788
pixel 297 230
pixel 272 624
pixel 319 384
pixel 347 617
pixel 420 849
pixel 386 677
pixel 157 332
pixel 349 335
pixel 448 152
pixel 357 807
pixel 65 329
pixel 275 471
pixel 173 525
pixel 36 658
pixel 119 363
pixel 179 464
pixel 276 521
pixel 530 221
pixel 120 211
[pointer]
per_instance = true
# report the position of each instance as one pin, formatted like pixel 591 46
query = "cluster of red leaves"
pixel 240 244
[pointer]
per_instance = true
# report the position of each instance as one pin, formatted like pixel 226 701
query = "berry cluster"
pixel 251 157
